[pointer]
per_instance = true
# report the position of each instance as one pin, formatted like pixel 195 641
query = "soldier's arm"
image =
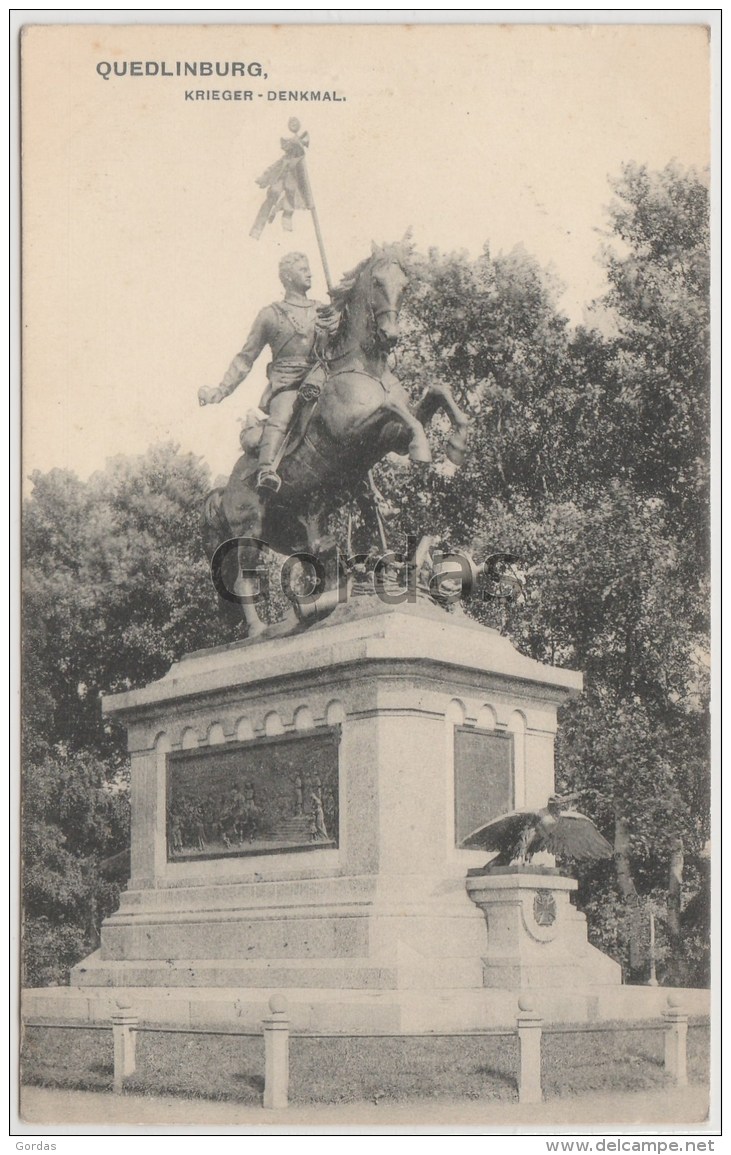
pixel 240 367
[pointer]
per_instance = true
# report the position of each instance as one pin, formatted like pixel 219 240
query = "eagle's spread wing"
pixel 501 833
pixel 575 836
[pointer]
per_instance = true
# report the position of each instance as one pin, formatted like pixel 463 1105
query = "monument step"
pixel 356 974
pixel 259 892
pixel 348 1011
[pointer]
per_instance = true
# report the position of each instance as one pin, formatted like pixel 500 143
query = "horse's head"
pixel 373 291
pixel 387 282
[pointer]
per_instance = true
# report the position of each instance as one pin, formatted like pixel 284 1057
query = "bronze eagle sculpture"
pixel 555 829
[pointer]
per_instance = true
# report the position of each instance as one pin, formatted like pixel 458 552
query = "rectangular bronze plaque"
pixel 260 797
pixel 483 778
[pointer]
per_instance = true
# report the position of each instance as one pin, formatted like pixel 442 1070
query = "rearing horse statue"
pixel 361 414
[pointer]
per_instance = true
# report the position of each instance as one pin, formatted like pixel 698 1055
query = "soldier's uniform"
pixel 289 331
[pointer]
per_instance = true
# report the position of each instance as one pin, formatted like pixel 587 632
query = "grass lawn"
pixel 340 1070
pixel 623 1060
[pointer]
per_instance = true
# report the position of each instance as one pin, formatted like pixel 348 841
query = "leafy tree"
pixel 73 816
pixel 490 329
pixel 589 460
pixel 660 296
pixel 116 587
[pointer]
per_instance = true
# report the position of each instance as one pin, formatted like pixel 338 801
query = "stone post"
pixel 124 1031
pixel 276 1055
pixel 529 1041
pixel 676 1039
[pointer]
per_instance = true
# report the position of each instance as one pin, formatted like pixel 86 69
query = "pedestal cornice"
pixel 390 639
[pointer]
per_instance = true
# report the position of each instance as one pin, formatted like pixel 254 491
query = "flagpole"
pixel 288 186
pixel 294 127
pixel 318 232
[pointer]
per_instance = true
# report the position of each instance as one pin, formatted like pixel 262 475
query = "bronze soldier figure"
pixel 288 328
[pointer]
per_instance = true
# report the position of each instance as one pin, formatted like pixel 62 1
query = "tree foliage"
pixel 660 296
pixel 589 460
pixel 115 588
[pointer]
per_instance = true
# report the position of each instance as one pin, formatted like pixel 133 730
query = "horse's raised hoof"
pixel 456 447
pixel 386 510
pixel 420 452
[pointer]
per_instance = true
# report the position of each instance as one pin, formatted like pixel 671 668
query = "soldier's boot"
pixel 271 442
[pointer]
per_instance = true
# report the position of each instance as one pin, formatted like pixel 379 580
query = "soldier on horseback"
pixel 356 411
pixel 289 328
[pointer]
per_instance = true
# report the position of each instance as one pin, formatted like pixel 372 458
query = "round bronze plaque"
pixel 544 908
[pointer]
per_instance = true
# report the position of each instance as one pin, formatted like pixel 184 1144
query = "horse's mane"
pixel 340 295
pixel 399 251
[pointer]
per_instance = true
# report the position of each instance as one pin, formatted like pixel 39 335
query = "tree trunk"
pixel 627 888
pixel 621 853
pixel 675 892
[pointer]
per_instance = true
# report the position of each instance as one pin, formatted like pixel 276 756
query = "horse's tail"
pixel 214 525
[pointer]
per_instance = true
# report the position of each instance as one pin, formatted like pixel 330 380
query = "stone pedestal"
pixel 535 937
pixel 357 754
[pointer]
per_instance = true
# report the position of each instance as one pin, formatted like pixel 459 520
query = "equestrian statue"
pixel 335 410
pixel 334 406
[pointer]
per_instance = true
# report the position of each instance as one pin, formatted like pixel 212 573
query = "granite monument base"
pixel 298 808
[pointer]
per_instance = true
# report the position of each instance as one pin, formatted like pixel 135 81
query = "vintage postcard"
pixel 366 771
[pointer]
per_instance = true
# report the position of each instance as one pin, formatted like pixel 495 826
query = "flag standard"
pixel 287 185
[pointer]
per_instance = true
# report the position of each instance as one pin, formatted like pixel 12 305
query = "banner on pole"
pixel 286 183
